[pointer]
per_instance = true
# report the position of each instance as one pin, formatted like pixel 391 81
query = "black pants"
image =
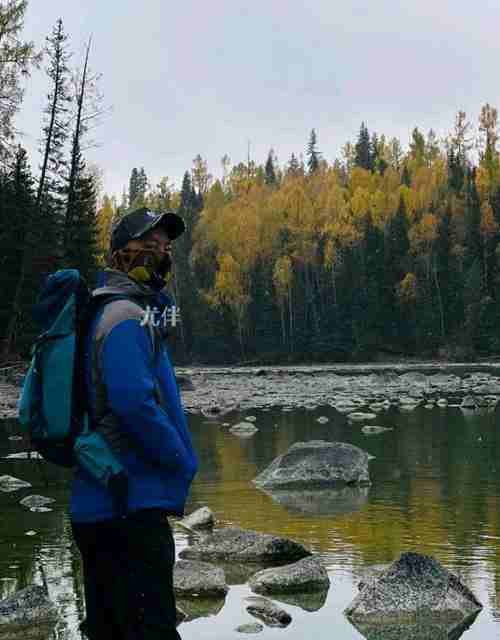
pixel 128 577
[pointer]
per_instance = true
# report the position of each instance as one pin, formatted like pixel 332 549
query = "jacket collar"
pixel 117 282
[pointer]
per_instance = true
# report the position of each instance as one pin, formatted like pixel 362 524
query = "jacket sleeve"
pixel 127 372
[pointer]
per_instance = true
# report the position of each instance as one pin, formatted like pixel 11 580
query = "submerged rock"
pixel 416 593
pixel 193 608
pixel 243 545
pixel 24 455
pixel 359 416
pixel 469 402
pixel 9 483
pixel 312 601
pixel 202 518
pixel 194 578
pixel 252 627
pixel 412 378
pixel 316 464
pixel 306 575
pixel 374 429
pixel 36 502
pixel 244 429
pixel 26 607
pixel 265 610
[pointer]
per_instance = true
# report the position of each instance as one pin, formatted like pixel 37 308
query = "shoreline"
pixel 214 391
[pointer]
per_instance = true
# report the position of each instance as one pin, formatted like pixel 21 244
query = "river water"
pixel 436 490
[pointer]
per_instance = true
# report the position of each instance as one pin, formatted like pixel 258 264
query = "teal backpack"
pixel 53 408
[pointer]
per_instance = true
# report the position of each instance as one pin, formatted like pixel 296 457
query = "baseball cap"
pixel 138 222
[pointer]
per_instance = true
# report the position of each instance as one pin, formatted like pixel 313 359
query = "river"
pixel 435 490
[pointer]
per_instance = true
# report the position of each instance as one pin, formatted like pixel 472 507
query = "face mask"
pixel 154 271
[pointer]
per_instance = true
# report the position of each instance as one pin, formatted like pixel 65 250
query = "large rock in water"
pixel 316 464
pixel 27 614
pixel 192 578
pixel 243 545
pixel 268 612
pixel 202 518
pixel 415 598
pixel 9 483
pixel 303 576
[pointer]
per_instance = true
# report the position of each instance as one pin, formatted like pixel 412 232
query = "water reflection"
pixel 321 502
pixel 415 629
pixel 436 490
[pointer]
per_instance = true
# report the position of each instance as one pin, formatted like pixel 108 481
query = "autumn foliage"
pixel 382 251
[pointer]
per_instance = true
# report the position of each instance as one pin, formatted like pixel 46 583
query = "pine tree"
pixel 456 173
pixel 133 187
pixel 396 250
pixel 363 149
pixel 17 217
pixel 294 168
pixel 80 237
pixel 56 129
pixel 270 173
pixel 313 155
pixel 183 280
pixel 142 186
pixel 473 244
pixel 44 239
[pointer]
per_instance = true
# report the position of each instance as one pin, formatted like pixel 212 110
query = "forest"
pixel 389 251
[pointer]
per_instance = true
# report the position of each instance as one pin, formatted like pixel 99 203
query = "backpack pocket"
pixel 93 454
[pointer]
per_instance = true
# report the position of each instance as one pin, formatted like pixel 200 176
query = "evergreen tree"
pixel 294 168
pixel 313 155
pixel 270 173
pixel 183 280
pixel 56 128
pixel 373 317
pixel 17 217
pixel 80 238
pixel 455 171
pixel 138 186
pixel 133 187
pixel 396 250
pixel 363 149
pixel 473 244
pixel 378 162
pixel 45 238
pixel 142 185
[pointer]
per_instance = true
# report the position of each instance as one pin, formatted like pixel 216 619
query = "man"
pixel 122 532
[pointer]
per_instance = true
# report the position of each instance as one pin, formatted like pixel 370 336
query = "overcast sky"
pixel 191 76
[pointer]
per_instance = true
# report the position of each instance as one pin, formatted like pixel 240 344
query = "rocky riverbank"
pixel 214 391
pixel 349 389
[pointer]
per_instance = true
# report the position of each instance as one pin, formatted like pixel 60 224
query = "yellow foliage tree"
pixel 407 289
pixel 104 219
pixel 230 290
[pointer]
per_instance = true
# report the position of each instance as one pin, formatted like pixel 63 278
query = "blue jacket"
pixel 135 403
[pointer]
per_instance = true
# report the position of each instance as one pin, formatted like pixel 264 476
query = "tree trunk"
pixel 75 152
pixel 440 300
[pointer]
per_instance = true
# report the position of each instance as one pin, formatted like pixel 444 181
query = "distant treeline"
pixel 384 251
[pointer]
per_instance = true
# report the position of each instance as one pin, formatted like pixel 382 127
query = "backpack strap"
pixel 105 295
